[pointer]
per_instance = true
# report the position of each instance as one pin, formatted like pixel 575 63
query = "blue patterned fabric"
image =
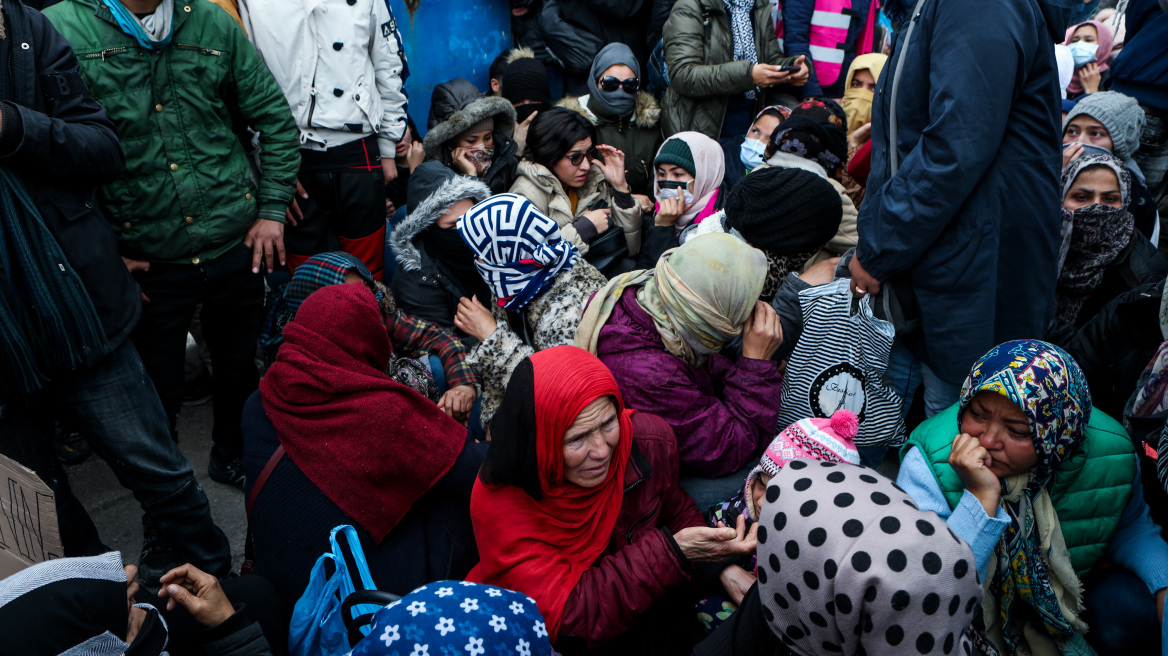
pixel 457 618
pixel 518 249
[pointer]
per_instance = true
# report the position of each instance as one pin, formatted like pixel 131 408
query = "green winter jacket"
pixel 187 194
pixel 1090 489
pixel 699 56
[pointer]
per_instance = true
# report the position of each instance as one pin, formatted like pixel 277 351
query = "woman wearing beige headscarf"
pixel 661 332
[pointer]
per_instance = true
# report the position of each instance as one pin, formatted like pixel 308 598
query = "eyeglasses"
pixel 610 83
pixel 591 154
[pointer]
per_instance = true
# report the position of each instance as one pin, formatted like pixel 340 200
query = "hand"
pixel 644 201
pixel 293 215
pixel 702 544
pixel 861 135
pixel 266 241
pixel 520 136
pixel 388 169
pixel 599 218
pixel 669 211
pixel 415 155
pixel 390 208
pixel 763 333
pixel 972 463
pixel 862 283
pixel 766 75
pixel 800 77
pixel 134 266
pixel 1071 153
pixel 1089 77
pixel 198 592
pixel 457 401
pixel 474 319
pixel 820 273
pixel 736 581
pixel 136 616
pixel 462 163
pixel 613 167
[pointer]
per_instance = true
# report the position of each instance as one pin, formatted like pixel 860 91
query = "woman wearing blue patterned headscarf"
pixel 1043 488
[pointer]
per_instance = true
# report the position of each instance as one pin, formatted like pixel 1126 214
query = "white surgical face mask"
pixel 1083 52
pixel 751 153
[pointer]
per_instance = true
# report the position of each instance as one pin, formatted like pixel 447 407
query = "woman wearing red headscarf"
pixel 577 506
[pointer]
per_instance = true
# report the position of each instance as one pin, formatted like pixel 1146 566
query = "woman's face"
pixel 482 138
pixel 1084 129
pixel 1086 33
pixel 760 131
pixel 590 442
pixel 619 71
pixel 573 175
pixel 1004 431
pixel 450 218
pixel 1096 185
pixel 404 144
pixel 863 80
pixel 672 172
pixel 757 490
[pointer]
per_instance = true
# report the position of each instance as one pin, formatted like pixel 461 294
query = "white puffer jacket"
pixel 339 63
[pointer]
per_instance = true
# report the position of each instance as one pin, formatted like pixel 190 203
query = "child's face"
pixel 758 491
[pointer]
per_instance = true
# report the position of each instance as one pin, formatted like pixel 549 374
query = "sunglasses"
pixel 610 83
pixel 591 154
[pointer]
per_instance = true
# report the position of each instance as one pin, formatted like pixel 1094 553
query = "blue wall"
pixel 445 39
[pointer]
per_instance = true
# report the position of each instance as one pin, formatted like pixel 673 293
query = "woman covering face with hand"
pixel 577 506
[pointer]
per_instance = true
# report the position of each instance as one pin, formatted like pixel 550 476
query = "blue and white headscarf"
pixel 518 249
pixel 457 618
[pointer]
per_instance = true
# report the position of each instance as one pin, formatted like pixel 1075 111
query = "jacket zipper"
pixel 640 522
pixel 200 50
pixel 103 53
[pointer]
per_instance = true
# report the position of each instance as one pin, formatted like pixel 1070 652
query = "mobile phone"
pixel 789 69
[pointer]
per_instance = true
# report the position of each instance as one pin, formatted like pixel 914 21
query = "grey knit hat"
pixel 1120 114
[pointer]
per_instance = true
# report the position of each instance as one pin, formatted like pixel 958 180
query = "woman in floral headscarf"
pixel 1043 489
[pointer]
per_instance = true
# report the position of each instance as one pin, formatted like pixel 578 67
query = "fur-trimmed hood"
pixel 458 188
pixel 646 113
pixel 462 120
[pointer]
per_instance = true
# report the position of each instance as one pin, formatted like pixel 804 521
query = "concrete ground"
pixel 119 517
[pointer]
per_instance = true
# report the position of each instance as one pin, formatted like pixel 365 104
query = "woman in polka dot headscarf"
pixel 847 564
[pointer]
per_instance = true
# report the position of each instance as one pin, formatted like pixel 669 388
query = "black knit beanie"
pixel 526 79
pixel 784 210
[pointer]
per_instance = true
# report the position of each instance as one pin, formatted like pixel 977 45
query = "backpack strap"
pixel 277 455
pixel 893 149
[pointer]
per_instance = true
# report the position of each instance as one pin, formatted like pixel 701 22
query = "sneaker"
pixel 71 448
pixel 228 472
pixel 197 390
pixel 157 556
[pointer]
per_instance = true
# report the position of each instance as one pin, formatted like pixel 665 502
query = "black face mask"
pixel 447 246
pixel 527 109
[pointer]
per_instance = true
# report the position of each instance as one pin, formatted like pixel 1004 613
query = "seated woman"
pixel 725 64
pixel 539 285
pixel 1044 489
pixel 569 177
pixel 1102 255
pixel 343 443
pixel 471 135
pixel 660 332
pixel 1110 123
pixel 745 154
pixel 1090 43
pixel 859 87
pixel 689 185
pixel 847 564
pixel 409 336
pixel 578 507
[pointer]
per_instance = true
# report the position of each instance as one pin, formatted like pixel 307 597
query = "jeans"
pixel 707 492
pixel 905 374
pixel 233 310
pixel 1121 613
pixel 114 405
pixel 1152 155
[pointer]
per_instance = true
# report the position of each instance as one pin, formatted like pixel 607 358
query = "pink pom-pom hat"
pixel 832 440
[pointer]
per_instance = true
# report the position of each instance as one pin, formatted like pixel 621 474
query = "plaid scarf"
pixel 46 317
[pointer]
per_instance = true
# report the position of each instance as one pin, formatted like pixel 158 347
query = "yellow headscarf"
pixel 857 103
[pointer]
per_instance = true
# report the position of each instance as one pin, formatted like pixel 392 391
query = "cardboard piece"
pixel 28 519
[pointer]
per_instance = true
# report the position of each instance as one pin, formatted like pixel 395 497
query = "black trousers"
pixel 348 203
pixel 233 308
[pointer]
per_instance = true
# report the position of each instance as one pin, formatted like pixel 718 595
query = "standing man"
pixel 174 76
pixel 68 306
pixel 340 65
pixel 962 209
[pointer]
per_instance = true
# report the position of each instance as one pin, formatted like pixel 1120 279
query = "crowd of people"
pixel 777 327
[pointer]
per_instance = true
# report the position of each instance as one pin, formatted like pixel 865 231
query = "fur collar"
pixel 488 107
pixel 646 113
pixel 401 241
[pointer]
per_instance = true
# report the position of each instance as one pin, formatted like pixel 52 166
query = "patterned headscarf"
pixel 457 617
pixel 316 272
pixel 822 111
pixel 699 296
pixel 1048 386
pixel 518 249
pixel 1092 237
pixel 824 143
pixel 742 29
pixel 848 564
